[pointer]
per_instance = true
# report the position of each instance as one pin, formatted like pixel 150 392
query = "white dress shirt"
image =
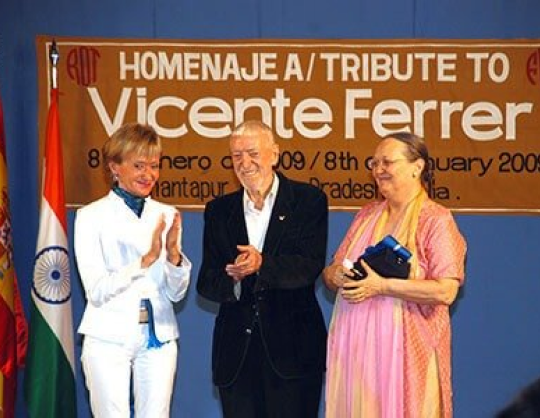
pixel 257 221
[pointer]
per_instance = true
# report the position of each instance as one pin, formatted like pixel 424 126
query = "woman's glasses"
pixel 384 163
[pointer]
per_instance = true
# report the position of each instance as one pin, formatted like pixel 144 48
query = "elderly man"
pixel 264 248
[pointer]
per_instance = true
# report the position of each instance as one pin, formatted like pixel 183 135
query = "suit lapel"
pixel 280 216
pixel 236 224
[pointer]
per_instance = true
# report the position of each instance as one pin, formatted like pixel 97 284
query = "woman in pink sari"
pixel 389 339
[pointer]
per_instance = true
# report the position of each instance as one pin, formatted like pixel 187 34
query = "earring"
pixel 414 175
pixel 115 177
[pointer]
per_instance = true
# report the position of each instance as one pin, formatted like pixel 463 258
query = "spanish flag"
pixel 13 328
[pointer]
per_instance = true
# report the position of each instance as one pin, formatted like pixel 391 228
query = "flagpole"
pixel 54 57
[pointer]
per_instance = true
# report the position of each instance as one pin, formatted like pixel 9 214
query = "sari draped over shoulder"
pixel 388 357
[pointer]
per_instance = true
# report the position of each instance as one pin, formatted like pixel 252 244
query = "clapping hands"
pixel 174 255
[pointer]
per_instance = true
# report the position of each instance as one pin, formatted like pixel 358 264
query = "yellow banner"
pixel 475 102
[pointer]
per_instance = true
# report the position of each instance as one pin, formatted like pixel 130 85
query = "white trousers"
pixel 109 367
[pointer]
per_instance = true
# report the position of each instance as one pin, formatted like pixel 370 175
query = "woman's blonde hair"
pixel 131 138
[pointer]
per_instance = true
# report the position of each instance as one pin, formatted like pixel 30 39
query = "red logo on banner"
pixel 82 65
pixel 533 67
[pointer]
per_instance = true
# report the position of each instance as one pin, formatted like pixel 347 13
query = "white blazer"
pixel 110 241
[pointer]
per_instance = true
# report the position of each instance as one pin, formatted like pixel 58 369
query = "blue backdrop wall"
pixel 496 320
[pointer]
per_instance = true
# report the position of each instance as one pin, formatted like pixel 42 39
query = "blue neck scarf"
pixel 135 203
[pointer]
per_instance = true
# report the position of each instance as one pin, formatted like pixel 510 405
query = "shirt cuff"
pixel 184 265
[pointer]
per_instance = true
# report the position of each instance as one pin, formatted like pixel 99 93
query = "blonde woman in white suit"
pixel 129 256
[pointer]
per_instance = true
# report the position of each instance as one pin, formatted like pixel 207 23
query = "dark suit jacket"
pixel 294 254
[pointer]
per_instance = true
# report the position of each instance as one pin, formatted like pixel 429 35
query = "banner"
pixel 50 370
pixel 476 103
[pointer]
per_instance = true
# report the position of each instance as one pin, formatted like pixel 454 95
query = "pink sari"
pixel 388 357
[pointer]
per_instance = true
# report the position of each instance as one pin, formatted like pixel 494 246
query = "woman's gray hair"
pixel 416 149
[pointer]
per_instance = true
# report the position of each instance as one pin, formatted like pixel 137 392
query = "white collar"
pixel 268 200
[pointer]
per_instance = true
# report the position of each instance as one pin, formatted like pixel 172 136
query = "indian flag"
pixel 50 373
